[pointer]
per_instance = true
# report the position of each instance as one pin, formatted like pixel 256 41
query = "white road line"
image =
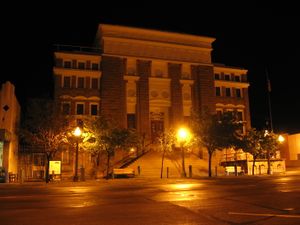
pixel 264 214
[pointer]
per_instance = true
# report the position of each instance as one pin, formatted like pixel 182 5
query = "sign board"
pixel 55 166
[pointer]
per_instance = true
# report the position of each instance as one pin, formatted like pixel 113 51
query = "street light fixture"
pixel 183 136
pixel 77 133
pixel 281 139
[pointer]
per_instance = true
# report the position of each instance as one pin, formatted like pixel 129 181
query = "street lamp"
pixel 281 139
pixel 77 133
pixel 183 136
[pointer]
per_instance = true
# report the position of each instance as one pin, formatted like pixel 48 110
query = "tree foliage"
pixel 217 133
pixel 43 128
pixel 260 144
pixel 105 136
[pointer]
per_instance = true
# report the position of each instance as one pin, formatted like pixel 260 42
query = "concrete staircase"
pixel 150 165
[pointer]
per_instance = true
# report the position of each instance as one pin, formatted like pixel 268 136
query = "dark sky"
pixel 250 36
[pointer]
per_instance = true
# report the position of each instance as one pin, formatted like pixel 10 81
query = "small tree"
pixel 269 144
pixel 217 133
pixel 43 127
pixel 252 143
pixel 260 143
pixel 167 141
pixel 107 137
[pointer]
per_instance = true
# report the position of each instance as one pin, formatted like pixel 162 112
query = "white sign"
pixel 55 166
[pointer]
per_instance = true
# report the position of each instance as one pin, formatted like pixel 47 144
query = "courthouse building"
pixel 147 79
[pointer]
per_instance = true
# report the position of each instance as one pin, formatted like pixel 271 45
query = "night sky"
pixel 257 38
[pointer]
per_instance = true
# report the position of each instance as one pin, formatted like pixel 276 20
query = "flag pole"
pixel 271 121
pixel 269 99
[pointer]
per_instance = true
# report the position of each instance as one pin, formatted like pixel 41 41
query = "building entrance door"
pixel 157 125
pixel 157 128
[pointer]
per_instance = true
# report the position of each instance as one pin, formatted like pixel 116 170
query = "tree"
pixel 260 143
pixel 43 127
pixel 106 137
pixel 269 144
pixel 167 141
pixel 216 133
pixel 252 144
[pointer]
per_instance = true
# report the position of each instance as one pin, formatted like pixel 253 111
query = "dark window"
pixel 95 66
pixel 66 108
pixel 131 121
pixel 219 114
pixel 240 116
pixel 218 91
pixel 80 82
pixel 94 83
pixel 79 109
pixel 298 156
pixel 94 110
pixel 38 160
pixel 237 78
pixel 81 65
pixel 67 82
pixel 228 92
pixel 58 62
pixel 217 76
pixel 67 64
pixel 227 77
pixel 238 93
pixel 65 156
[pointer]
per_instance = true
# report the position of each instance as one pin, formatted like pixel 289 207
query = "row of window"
pixel 229 92
pixel 228 77
pixel 80 82
pixel 80 108
pixel 82 65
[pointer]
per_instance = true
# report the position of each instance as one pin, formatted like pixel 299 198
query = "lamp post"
pixel 77 133
pixel 182 136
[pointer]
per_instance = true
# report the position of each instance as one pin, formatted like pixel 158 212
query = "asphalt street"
pixel 266 200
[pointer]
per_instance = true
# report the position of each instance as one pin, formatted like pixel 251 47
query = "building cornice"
pixel 222 68
pixel 154 35
pixel 219 83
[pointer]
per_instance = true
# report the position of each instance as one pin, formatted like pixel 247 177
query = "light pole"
pixel 182 136
pixel 77 133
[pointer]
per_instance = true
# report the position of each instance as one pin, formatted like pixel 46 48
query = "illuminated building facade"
pixel 146 79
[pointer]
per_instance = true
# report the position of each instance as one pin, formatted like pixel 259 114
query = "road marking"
pixel 264 214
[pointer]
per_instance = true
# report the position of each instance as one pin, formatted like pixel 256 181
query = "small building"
pixel 9 122
pixel 290 149
pixel 242 163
